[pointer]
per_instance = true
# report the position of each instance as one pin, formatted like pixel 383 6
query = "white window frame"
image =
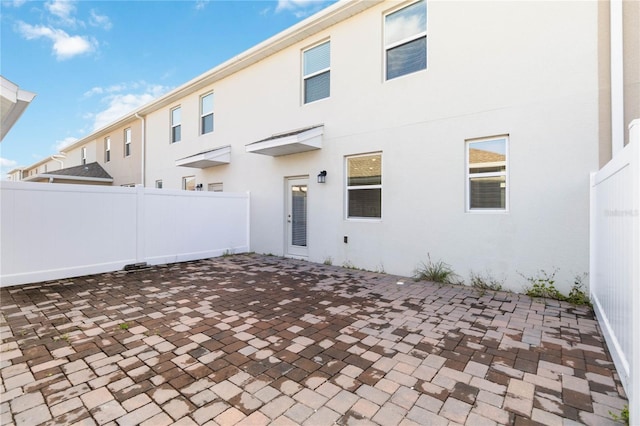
pixel 203 114
pixel 127 142
pixel 386 47
pixel 174 125
pixel 215 187
pixel 305 77
pixel 184 182
pixel 469 176
pixel 83 155
pixel 355 187
pixel 107 149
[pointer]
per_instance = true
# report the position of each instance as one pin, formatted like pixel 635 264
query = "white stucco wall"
pixel 524 69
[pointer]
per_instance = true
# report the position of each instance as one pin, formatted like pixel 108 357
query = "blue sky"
pixel 90 62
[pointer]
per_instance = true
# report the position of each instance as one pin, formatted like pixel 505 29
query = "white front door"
pixel 296 220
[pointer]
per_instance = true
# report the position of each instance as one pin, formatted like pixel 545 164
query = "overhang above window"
pixel 211 158
pixel 292 142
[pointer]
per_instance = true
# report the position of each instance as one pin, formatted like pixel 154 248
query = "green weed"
pixel 439 272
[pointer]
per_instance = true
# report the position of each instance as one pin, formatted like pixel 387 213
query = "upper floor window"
pixel 364 186
pixel 487 174
pixel 83 155
pixel 127 142
pixel 107 149
pixel 405 40
pixel 176 124
pixel 206 114
pixel 316 69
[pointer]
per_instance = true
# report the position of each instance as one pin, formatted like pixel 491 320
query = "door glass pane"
pixel 299 215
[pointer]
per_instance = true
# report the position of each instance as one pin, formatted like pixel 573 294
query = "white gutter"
pixel 52 177
pixel 143 147
pixel 53 157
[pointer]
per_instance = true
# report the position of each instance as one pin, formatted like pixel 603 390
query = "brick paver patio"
pixel 256 340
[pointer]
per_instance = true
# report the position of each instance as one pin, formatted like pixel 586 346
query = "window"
pixel 45 168
pixel 316 72
pixel 83 155
pixel 159 184
pixel 189 183
pixel 107 149
pixel 364 186
pixel 127 142
pixel 487 174
pixel 176 125
pixel 214 187
pixel 206 114
pixel 405 40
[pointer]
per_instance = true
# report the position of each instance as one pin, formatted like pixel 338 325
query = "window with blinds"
pixel 487 174
pixel 364 186
pixel 176 124
pixel 316 66
pixel 405 40
pixel 206 114
pixel 127 142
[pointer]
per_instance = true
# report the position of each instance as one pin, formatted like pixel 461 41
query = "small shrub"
pixel 543 285
pixel 484 283
pixel 439 272
pixel 124 326
pixel 578 295
pixel 328 261
pixel 348 265
pixel 623 416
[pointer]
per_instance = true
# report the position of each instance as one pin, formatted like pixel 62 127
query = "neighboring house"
pixel 377 133
pixel 115 149
pixel 88 174
pixel 13 102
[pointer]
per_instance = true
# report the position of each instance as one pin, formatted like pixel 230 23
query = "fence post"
pixel 140 225
pixel 593 240
pixel 634 398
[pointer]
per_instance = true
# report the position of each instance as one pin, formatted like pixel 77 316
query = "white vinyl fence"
pixel 54 231
pixel 615 255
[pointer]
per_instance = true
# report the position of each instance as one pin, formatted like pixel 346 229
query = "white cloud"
pixel 14 3
pixel 120 104
pixel 61 144
pixel 62 9
pixel 300 8
pixel 201 4
pixel 65 46
pixel 6 166
pixel 101 21
pixel 4 163
pixel 292 4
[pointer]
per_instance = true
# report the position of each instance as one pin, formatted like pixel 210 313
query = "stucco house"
pixel 378 133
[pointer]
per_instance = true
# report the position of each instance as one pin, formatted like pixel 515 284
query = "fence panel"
pixel 54 231
pixel 615 254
